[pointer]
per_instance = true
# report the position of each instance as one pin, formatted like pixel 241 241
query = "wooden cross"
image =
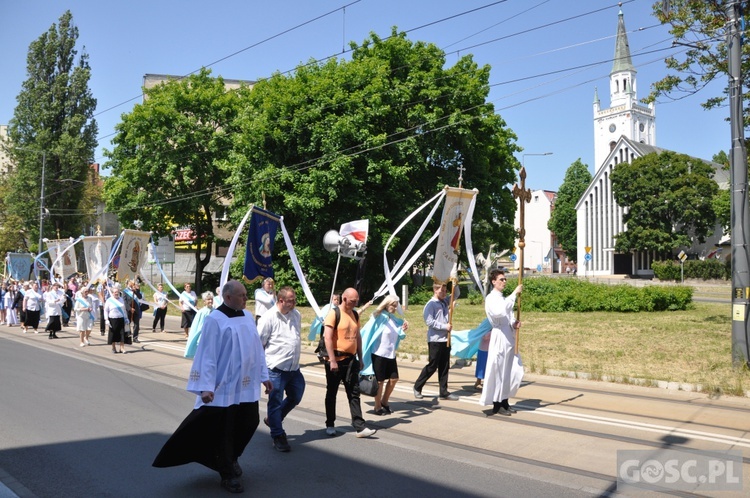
pixel 523 195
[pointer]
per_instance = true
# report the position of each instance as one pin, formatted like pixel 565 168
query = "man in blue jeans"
pixel 279 330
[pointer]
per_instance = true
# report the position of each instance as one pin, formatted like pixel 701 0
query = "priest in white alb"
pixel 227 372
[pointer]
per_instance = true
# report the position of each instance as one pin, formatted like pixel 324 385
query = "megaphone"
pixel 331 241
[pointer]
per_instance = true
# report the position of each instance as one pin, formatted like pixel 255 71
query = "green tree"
pixel 723 200
pixel 52 127
pixel 166 163
pixel 563 220
pixel 668 201
pixel 700 26
pixel 374 138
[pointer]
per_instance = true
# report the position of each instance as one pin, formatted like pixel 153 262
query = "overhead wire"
pixel 305 165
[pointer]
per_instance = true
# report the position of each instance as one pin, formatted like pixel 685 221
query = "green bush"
pixel 420 295
pixel 547 294
pixel 708 269
pixel 666 270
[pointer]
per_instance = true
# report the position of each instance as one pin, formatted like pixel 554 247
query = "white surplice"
pixel 504 371
pixel 230 361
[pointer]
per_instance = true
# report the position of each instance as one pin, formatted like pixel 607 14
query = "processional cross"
pixel 523 195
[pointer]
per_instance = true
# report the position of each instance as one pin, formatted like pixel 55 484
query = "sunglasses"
pixel 502 279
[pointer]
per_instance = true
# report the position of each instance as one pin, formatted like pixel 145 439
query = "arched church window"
pixel 612 145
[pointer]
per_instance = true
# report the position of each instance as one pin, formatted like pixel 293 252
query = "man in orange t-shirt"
pixel 344 346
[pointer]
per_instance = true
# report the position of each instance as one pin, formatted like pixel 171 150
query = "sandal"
pixel 386 409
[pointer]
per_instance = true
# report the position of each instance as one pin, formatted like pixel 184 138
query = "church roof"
pixel 622 60
pixel 638 149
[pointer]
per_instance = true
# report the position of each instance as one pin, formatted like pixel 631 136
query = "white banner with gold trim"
pixel 456 213
pixel 133 254
pixel 96 250
pixel 63 256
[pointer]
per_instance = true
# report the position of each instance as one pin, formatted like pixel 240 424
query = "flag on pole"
pixel 133 253
pixel 355 231
pixel 260 241
pixel 455 212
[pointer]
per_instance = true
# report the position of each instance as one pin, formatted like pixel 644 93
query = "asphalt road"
pixel 84 422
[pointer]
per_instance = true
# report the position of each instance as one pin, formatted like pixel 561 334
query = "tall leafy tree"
pixel 167 161
pixel 723 200
pixel 52 128
pixel 668 199
pixel 374 138
pixel 700 27
pixel 563 220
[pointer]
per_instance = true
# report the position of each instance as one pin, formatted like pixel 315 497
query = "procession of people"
pixel 236 360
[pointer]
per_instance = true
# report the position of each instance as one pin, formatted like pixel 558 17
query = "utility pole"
pixel 40 250
pixel 740 213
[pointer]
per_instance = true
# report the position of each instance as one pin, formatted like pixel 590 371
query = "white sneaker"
pixel 366 432
pixel 87 342
pixel 81 345
pixel 331 431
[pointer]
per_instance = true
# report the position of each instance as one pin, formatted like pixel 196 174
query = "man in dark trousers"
pixel 436 316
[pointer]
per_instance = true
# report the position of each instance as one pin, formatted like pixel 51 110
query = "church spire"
pixel 622 60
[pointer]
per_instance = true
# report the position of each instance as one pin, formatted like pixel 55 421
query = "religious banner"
pixel 133 253
pixel 96 250
pixel 260 240
pixel 455 211
pixel 19 265
pixel 63 255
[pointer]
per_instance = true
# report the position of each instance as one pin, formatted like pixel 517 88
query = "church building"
pixel 623 132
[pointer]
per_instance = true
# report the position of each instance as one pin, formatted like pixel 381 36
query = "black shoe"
pixel 449 397
pixel 379 412
pixel 281 444
pixel 136 340
pixel 233 485
pixel 502 411
pixel 386 409
pixel 236 468
pixel 54 336
pixel 418 394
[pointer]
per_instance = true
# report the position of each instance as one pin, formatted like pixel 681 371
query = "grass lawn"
pixel 691 347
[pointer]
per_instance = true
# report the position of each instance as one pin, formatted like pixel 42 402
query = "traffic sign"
pixel 587 257
pixel 513 258
pixel 538 267
pixel 682 256
pixel 588 249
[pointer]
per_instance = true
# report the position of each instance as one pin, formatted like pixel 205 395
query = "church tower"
pixel 625 116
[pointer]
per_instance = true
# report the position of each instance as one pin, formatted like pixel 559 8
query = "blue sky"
pixel 529 45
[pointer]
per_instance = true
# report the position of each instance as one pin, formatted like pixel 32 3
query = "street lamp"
pixel 523 157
